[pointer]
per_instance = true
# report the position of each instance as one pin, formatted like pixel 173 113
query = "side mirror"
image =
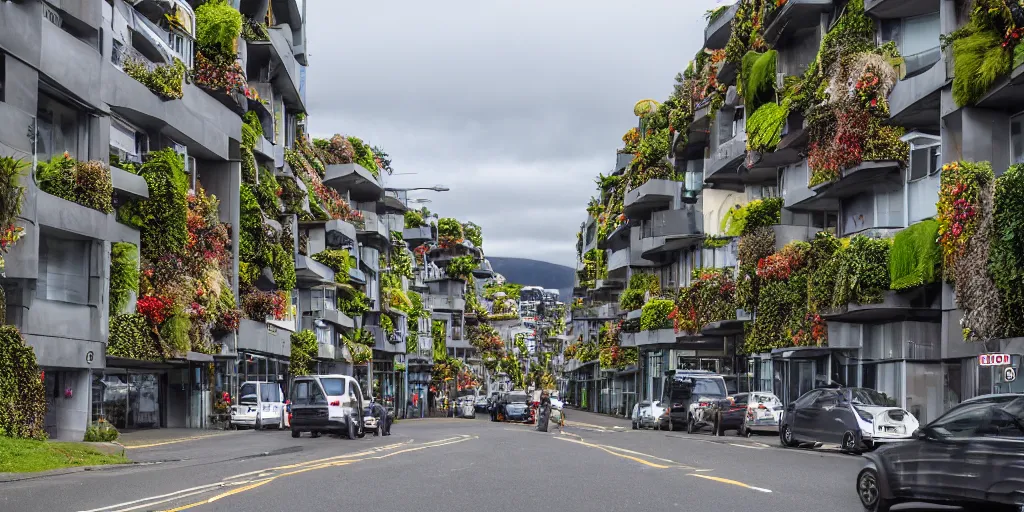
pixel 921 434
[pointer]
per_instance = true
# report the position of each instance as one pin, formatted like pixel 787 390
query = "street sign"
pixel 1009 374
pixel 994 359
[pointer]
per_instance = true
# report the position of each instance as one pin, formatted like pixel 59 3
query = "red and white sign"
pixel 994 359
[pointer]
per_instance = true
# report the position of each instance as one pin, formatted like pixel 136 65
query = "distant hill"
pixel 536 273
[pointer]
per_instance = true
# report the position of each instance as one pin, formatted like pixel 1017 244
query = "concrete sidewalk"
pixel 163 436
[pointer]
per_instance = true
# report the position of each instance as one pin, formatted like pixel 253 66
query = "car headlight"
pixel 866 416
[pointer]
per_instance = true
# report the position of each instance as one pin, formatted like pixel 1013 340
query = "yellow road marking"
pixel 624 456
pixel 730 482
pixel 314 465
pixel 173 441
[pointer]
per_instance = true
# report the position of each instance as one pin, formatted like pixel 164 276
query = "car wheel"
pixel 360 431
pixel 868 492
pixel 296 433
pixel 786 436
pixel 314 434
pixel 719 426
pixel 742 431
pixel 850 444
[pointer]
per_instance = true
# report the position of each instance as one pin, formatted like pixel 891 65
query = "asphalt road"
pixel 455 465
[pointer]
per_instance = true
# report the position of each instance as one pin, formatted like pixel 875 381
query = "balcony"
pixel 437 302
pixel 717 33
pixel 617 239
pixel 618 259
pixel 71 217
pixel 264 338
pixel 915 101
pixel 622 161
pixel 325 351
pixel 670 231
pixel 852 182
pixel 722 169
pixel 356 276
pixel 650 196
pixel 723 328
pixel 339 233
pixel 764 166
pixel 335 317
pixel 661 338
pixel 922 304
pixel 128 184
pixel 286 70
pixel 373 230
pixel 383 344
pixel 73 64
pixel 360 183
pixel 895 9
pixel 1006 95
pixel 794 16
pixel 417 236
pixel 310 273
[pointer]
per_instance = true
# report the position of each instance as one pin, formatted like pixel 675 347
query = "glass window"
pixel 886 378
pixel 1017 139
pixel 920 34
pixel 807 399
pixel 924 399
pixel 57 129
pixel 333 387
pixel 715 387
pixel 270 393
pixel 300 391
pixel 316 395
pixel 962 421
pixel 63 270
pixel 247 395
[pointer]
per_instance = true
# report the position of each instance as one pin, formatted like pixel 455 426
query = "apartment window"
pixel 925 154
pixel 1017 139
pixel 739 122
pixel 182 47
pixel 914 35
pixel 126 142
pixel 63 270
pixel 60 128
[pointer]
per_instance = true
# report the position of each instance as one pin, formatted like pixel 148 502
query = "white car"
pixel 764 410
pixel 260 405
pixel 647 414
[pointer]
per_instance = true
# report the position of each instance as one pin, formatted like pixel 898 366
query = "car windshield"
pixel 864 396
pixel 516 399
pixel 333 387
pixel 709 386
pixel 248 394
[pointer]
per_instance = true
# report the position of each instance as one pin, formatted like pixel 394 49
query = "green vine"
pixel 124 275
pixel 305 349
pixel 22 397
pixel 916 258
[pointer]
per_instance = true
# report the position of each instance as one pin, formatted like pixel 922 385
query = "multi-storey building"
pixel 180 232
pixel 836 209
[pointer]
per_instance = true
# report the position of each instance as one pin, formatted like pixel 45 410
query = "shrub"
pixel 474 234
pixel 655 315
pixel 305 349
pixel 218 26
pixel 745 219
pixel 101 432
pixel 978 61
pixel 758 78
pixel 1006 257
pixel 85 183
pixel 163 218
pixel 282 264
pixel 461 267
pixel 364 156
pixel 915 258
pixel 124 275
pixel 451 229
pixel 22 397
pixel 166 81
pixel 632 299
pixel 355 306
pixel 709 298
pixel 413 219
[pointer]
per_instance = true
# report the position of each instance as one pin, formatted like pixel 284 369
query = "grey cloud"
pixel 514 105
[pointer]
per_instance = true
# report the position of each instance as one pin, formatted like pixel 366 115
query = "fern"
pixel 978 61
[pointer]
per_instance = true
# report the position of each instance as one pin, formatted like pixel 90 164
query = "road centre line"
pixel 624 456
pixel 730 482
pixel 321 466
pixel 234 480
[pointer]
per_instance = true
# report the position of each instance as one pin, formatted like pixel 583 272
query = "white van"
pixel 327 403
pixel 260 405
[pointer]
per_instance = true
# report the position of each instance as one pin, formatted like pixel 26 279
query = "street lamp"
pixel 435 188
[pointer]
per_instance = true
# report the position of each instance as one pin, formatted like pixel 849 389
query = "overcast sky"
pixel 514 105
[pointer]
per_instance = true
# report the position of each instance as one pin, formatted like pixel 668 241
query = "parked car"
pixel 647 414
pixel 370 423
pixel 482 404
pixel 466 407
pixel 728 414
pixel 260 405
pixel 694 395
pixel 514 406
pixel 327 403
pixel 764 410
pixel 856 418
pixel 972 456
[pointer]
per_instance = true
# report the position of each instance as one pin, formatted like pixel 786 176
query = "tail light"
pixel 704 404
pixel 335 403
